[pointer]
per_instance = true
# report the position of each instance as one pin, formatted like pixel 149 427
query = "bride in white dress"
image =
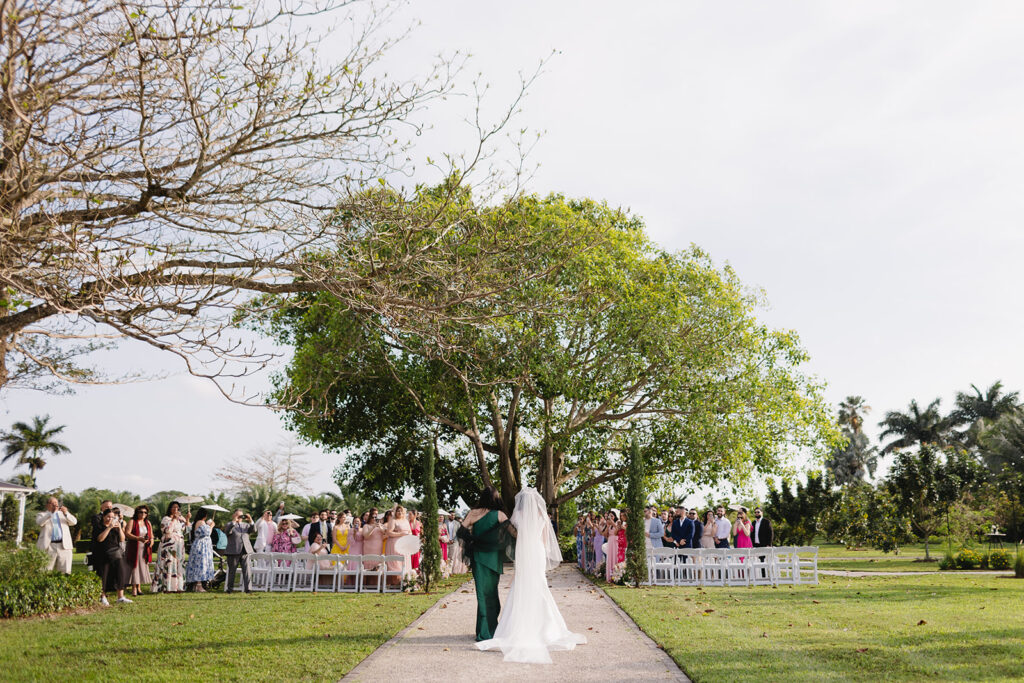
pixel 530 624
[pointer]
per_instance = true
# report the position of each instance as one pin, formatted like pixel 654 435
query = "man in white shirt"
pixel 55 524
pixel 722 528
pixel 265 529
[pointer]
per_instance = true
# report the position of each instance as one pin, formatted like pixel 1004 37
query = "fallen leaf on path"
pixel 447 650
pixel 419 628
pixel 444 606
pixel 591 628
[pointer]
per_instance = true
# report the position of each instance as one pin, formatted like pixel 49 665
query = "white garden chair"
pixel 304 570
pixel 373 568
pixel 281 571
pixel 395 587
pixel 327 574
pixel 662 566
pixel 687 570
pixel 348 574
pixel 762 572
pixel 260 565
pixel 737 567
pixel 805 564
pixel 782 565
pixel 713 566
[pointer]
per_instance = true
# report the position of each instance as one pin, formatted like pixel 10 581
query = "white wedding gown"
pixel 530 625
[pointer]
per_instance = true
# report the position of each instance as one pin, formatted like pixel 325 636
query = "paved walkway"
pixel 439 645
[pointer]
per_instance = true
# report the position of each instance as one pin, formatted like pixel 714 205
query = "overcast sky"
pixel 861 162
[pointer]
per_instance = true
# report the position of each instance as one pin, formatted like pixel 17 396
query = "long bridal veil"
pixel 530 624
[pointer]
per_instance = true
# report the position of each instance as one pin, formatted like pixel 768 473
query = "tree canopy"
pixel 617 339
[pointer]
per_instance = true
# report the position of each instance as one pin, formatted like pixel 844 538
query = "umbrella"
pixel 291 516
pixel 188 500
pixel 126 510
pixel 215 508
pixel 443 512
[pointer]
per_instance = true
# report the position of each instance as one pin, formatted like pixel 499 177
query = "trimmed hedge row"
pixel 970 559
pixel 48 592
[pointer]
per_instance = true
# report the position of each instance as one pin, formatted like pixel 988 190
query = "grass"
pixel 909 628
pixel 211 636
pixel 887 564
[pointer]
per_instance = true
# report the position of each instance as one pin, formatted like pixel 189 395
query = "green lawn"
pixel 850 629
pixel 211 636
pixel 887 564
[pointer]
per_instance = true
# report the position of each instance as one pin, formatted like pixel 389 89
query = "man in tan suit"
pixel 55 535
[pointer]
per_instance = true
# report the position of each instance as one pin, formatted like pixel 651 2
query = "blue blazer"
pixel 683 531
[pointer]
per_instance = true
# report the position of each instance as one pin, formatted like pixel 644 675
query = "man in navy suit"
pixel 682 529
pixel 698 529
pixel 322 527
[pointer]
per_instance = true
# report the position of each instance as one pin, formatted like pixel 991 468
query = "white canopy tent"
pixel 20 492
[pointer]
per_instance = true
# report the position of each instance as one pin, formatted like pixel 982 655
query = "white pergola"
pixel 19 492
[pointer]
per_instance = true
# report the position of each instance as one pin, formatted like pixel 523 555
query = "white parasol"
pixel 291 516
pixel 215 508
pixel 188 500
pixel 126 510
pixel 443 512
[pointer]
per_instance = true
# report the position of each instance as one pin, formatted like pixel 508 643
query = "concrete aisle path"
pixel 439 645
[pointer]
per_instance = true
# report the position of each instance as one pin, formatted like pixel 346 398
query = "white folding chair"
pixel 761 567
pixel 687 570
pixel 737 567
pixel 782 565
pixel 373 568
pixel 712 566
pixel 327 573
pixel 304 570
pixel 348 574
pixel 662 566
pixel 389 573
pixel 259 570
pixel 281 569
pixel 805 564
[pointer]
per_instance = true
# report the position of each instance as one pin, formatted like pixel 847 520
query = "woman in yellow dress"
pixel 341 537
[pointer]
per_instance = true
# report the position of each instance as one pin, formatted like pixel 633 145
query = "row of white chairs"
pixel 732 566
pixel 324 573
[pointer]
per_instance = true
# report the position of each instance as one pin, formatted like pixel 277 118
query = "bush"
pixel 1018 566
pixel 999 559
pixel 47 592
pixel 984 561
pixel 19 563
pixel 567 544
pixel 947 562
pixel 968 559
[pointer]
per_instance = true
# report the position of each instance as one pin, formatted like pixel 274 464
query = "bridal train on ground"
pixel 530 625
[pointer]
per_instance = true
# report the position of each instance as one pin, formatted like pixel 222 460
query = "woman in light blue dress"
pixel 200 557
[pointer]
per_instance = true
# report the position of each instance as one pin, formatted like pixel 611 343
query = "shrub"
pixel 47 592
pixel 19 563
pixel 968 559
pixel 999 559
pixel 1018 566
pixel 947 562
pixel 984 561
pixel 567 544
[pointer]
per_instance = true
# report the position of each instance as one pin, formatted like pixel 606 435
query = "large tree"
pixel 618 338
pixel 856 459
pixel 980 411
pixel 917 427
pixel 160 162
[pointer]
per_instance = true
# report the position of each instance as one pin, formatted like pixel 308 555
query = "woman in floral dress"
pixel 170 560
pixel 200 558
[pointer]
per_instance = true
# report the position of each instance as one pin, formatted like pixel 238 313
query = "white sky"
pixel 862 162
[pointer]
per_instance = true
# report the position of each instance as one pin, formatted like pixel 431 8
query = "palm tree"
pixel 852 411
pixel 981 411
pixel 29 443
pixel 916 427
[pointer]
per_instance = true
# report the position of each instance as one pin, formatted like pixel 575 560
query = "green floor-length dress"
pixel 487 567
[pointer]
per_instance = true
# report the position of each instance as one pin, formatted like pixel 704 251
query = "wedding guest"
pixel 139 552
pixel 315 517
pixel 723 528
pixel 599 525
pixel 319 525
pixel 655 529
pixel 355 540
pixel 763 536
pixel 286 538
pixel 698 529
pixel 170 561
pixel 55 524
pixel 416 526
pixel 610 531
pixel 707 539
pixel 452 525
pixel 237 531
pixel 280 511
pixel 396 527
pixel 442 537
pixel 266 527
pixel 623 521
pixel 373 533
pixel 742 530
pixel 342 533
pixel 666 524
pixel 199 568
pixel 682 529
pixel 110 538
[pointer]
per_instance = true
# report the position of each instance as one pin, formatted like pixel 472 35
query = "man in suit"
pixel 238 547
pixel 698 528
pixel 322 527
pixel 761 534
pixel 655 530
pixel 55 524
pixel 682 529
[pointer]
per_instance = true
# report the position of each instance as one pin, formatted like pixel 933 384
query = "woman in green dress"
pixel 483 535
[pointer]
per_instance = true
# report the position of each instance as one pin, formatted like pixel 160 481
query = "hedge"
pixel 48 592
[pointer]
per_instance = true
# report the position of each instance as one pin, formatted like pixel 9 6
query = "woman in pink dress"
pixel 622 538
pixel 610 530
pixel 442 537
pixel 373 538
pixel 397 527
pixel 742 529
pixel 417 529
pixel 355 543
pixel 286 538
